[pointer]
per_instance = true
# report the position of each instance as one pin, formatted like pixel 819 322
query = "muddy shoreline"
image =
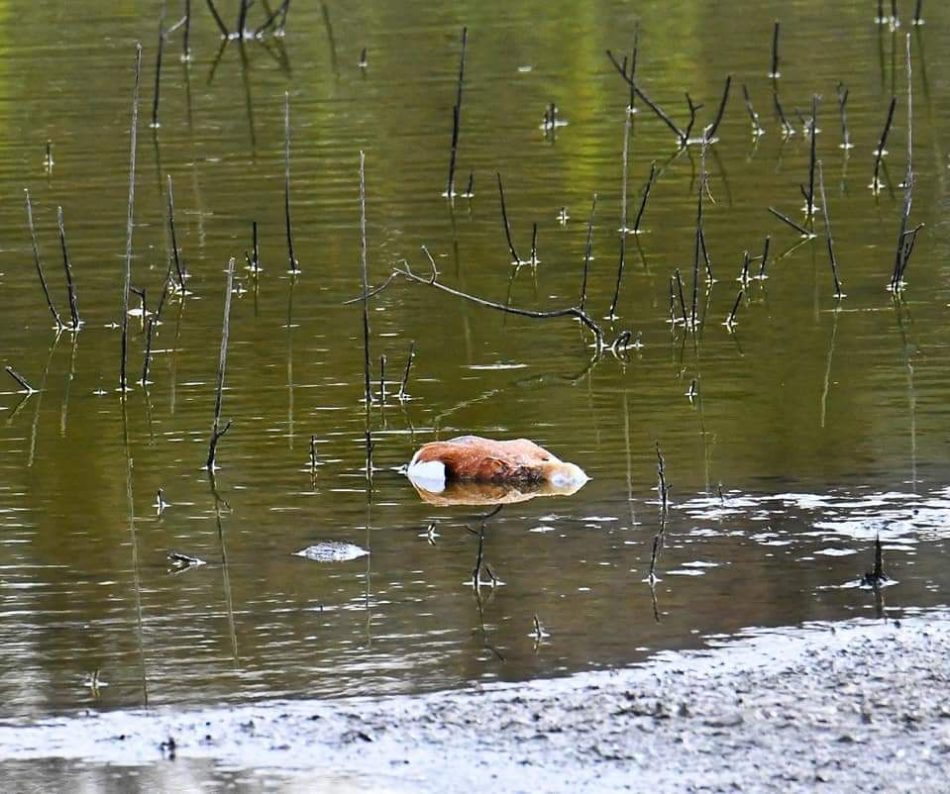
pixel 858 705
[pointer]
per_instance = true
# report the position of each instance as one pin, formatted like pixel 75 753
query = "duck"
pixel 475 459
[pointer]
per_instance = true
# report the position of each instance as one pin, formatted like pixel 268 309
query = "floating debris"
pixel 182 562
pixel 332 551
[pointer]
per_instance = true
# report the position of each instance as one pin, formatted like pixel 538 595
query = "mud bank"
pixel 857 706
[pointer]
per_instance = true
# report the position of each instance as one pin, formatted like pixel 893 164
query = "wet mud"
pixel 862 705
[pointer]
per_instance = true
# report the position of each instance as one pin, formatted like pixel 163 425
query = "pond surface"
pixel 790 441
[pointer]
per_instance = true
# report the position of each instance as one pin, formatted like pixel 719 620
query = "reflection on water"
pixel 482 493
pixel 822 423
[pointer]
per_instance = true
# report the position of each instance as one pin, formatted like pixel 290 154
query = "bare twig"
pixel 516 260
pixel 651 179
pixel 364 276
pixel 176 254
pixel 457 118
pixel 710 133
pixel 774 72
pixel 158 63
pixel 39 267
pixel 881 151
pixel 587 252
pixel 677 131
pixel 216 431
pixel 828 236
pixel 290 236
pixel 20 379
pixel 217 18
pixel 796 226
pixel 572 311
pixel 905 239
pixel 842 109
pixel 68 267
pixel 133 140
pixel 402 394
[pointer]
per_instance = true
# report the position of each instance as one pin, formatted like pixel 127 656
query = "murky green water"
pixel 822 427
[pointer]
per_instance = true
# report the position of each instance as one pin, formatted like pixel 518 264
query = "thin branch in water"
pixel 698 236
pixel 158 64
pixel 402 395
pixel 151 323
pixel 587 252
pixel 313 457
pixel 679 290
pixel 68 267
pixel 662 486
pixel 456 119
pixel 905 239
pixel 129 223
pixel 710 134
pixel 627 122
pixel 533 256
pixel 677 131
pixel 290 236
pixel 651 179
pixel 795 225
pixel 730 322
pixel 186 37
pixel 515 259
pixel 217 18
pixel 382 379
pixel 364 277
pixel 707 262
pixel 632 107
pixel 787 129
pixel 810 196
pixel 176 254
pixel 879 153
pixel 843 112
pixel 20 379
pixel 828 236
pixel 216 431
pixel 765 257
pixel 774 72
pixel 39 267
pixel 242 31
pixel 573 311
pixel 757 129
pixel 255 249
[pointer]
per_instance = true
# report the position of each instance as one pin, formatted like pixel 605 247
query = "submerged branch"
pixel 577 312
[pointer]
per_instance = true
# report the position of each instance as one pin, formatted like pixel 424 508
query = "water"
pixel 821 427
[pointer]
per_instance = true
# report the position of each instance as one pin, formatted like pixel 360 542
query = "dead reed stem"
pixel 217 18
pixel 133 140
pixel 20 379
pixel 364 276
pixel 515 259
pixel 216 431
pixel 587 252
pixel 176 254
pixel 68 267
pixel 38 264
pixel 774 72
pixel 881 151
pixel 828 236
pixel 456 119
pixel 289 227
pixel 160 48
pixel 906 239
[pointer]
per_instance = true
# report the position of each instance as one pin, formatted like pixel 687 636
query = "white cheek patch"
pixel 429 475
